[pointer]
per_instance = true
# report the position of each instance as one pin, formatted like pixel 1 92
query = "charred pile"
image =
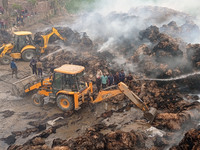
pixel 91 62
pixel 182 31
pixel 164 59
pixel 190 141
pixel 159 56
pixel 193 55
pixel 91 140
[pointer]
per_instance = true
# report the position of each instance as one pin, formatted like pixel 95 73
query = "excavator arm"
pixel 5 48
pixel 47 37
pixel 149 113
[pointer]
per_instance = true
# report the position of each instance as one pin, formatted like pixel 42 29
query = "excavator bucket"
pixel 18 88
pixel 150 114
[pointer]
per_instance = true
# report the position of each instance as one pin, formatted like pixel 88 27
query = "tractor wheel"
pixel 38 100
pixel 65 102
pixel 5 60
pixel 28 54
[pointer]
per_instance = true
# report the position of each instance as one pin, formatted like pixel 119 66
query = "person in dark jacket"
pixel 13 66
pixel 39 68
pixel 33 65
pixel 122 76
pixel 129 79
pixel 52 67
pixel 110 79
pixel 116 78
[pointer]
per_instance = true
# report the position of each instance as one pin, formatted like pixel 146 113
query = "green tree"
pixel 74 6
pixel 57 5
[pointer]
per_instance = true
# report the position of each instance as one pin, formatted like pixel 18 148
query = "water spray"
pixel 172 79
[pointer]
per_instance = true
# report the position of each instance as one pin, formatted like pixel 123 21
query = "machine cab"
pixel 67 78
pixel 21 39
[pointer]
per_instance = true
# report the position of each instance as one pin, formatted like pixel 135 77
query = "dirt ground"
pixel 17 112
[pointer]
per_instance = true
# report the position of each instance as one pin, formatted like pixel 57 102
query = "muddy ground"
pixel 21 119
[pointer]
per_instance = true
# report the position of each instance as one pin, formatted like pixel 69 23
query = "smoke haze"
pixel 116 25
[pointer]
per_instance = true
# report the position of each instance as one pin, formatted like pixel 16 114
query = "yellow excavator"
pixel 66 88
pixel 23 46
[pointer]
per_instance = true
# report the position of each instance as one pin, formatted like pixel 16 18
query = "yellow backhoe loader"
pixel 23 47
pixel 66 88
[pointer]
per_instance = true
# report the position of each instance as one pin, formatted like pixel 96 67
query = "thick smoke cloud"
pixel 191 7
pixel 114 24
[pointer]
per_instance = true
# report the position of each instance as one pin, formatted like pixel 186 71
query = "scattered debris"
pixel 52 122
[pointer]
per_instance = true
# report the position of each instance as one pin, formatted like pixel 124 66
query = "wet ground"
pixel 21 120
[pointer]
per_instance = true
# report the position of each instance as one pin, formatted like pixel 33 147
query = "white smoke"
pixel 112 23
pixel 100 22
pixel 106 6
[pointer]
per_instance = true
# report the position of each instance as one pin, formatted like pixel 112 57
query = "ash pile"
pixel 155 54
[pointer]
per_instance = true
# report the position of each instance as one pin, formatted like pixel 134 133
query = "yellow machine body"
pixel 72 99
pixel 6 50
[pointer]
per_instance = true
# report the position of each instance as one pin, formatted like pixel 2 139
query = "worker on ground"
pixel 22 20
pixel 104 80
pixel 18 19
pixel 13 66
pixel 110 79
pixel 129 80
pixel 98 79
pixel 116 78
pixel 39 68
pixel 33 65
pixel 52 67
pixel 122 76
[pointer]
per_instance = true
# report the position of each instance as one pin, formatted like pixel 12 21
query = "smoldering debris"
pixel 155 54
pixel 190 140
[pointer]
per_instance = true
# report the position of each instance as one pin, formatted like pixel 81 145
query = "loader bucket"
pixel 18 88
pixel 150 115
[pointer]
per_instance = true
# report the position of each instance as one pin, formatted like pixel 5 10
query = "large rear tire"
pixel 28 54
pixel 38 100
pixel 5 60
pixel 65 102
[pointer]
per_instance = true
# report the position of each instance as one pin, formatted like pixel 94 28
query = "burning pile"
pixel 190 141
pixel 164 57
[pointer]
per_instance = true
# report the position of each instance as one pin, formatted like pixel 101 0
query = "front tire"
pixel 28 54
pixel 5 60
pixel 38 100
pixel 65 102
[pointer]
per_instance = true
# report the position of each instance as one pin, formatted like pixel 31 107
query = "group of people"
pixel 20 17
pixel 103 80
pixel 36 66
